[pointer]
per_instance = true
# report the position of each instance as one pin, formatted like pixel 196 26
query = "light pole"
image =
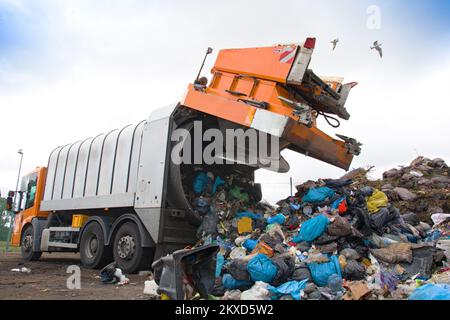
pixel 18 175
pixel 290 183
pixel 11 223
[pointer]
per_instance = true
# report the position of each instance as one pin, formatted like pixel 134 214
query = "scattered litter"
pixel 22 270
pixel 357 290
pixel 150 288
pixel 113 275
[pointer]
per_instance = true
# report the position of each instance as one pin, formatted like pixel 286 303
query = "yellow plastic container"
pixel 78 220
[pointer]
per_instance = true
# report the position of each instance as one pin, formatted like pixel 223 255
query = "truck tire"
pixel 128 252
pixel 26 245
pixel 93 252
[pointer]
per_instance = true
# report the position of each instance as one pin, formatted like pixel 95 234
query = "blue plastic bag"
pixel 249 214
pixel 293 288
pixel 229 282
pixel 217 182
pixel 261 268
pixel 312 229
pixel 433 235
pixel 279 218
pixel 337 202
pixel 334 282
pixel 201 205
pixel 321 272
pixel 219 264
pixel 224 244
pixel 201 180
pixel 431 292
pixel 316 195
pixel 250 244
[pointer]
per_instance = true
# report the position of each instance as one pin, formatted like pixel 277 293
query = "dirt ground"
pixel 48 279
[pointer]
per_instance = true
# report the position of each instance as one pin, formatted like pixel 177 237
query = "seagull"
pixel 377 46
pixel 334 42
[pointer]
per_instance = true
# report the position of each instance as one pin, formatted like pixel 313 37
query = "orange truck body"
pixel 25 217
pixel 274 77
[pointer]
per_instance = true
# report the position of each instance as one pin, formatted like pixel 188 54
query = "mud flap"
pixel 187 267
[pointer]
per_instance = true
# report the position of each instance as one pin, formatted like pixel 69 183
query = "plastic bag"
pixel 279 218
pixel 377 200
pixel 150 288
pixel 337 202
pixel 201 204
pixel 340 227
pixel 312 229
pixel 335 283
pixel 201 180
pixel 301 273
pixel 236 193
pixel 261 268
pixel 293 288
pixel 248 214
pixel 238 269
pixel 238 253
pixel 250 244
pixel 320 272
pixel 232 295
pixel 208 226
pixel 316 195
pixel 257 292
pixel 285 264
pixel 217 183
pixel 354 270
pixel 219 264
pixel 431 292
pixel 273 236
pixel 230 283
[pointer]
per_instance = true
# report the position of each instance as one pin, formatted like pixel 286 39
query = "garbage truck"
pixel 119 196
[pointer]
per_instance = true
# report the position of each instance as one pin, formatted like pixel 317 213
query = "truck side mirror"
pixel 9 200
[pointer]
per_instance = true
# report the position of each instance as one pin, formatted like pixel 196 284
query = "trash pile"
pixel 336 239
pixel 422 187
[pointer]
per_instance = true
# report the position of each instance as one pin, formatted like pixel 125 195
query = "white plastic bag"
pixel 257 292
pixel 150 288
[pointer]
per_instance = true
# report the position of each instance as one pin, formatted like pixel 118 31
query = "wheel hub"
pixel 126 247
pixel 92 246
pixel 27 242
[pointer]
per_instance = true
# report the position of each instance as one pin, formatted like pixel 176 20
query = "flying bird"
pixel 377 46
pixel 334 42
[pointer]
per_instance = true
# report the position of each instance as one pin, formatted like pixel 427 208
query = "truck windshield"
pixel 28 187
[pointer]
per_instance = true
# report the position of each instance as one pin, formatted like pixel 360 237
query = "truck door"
pixel 27 203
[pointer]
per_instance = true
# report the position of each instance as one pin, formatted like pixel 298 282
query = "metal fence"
pixel 6 220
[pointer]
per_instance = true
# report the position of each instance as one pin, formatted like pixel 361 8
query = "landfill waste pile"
pixel 336 239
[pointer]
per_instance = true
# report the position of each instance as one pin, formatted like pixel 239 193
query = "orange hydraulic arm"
pixel 272 88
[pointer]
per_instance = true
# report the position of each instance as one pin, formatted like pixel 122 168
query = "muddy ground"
pixel 48 279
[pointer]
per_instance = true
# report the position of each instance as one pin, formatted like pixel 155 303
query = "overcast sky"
pixel 73 69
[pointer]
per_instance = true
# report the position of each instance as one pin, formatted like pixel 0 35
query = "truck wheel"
pixel 128 252
pixel 26 246
pixel 93 252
